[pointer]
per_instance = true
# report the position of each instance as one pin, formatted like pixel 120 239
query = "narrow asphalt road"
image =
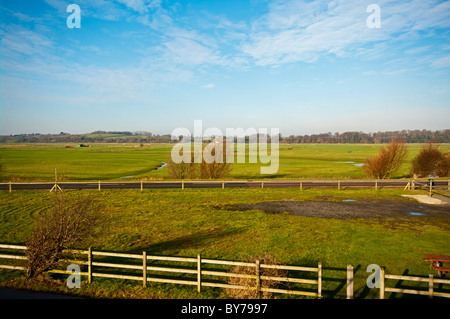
pixel 10 293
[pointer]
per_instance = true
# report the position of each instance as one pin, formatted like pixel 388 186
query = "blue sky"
pixel 154 65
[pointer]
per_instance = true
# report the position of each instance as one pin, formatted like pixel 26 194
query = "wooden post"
pixel 301 186
pixel 382 283
pixel 319 281
pixel 258 278
pixel 223 185
pixel 376 184
pixel 182 185
pixel 199 272
pixel 349 282
pixel 431 186
pixel 10 187
pixel 448 186
pixel 144 269
pixel 90 265
pixel 339 185
pixel 430 287
pixel 142 185
pixel 262 184
pixel 99 187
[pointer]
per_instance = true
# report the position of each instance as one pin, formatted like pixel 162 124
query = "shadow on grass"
pixel 195 240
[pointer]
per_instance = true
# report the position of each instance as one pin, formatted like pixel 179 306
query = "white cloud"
pixel 294 31
pixel 209 86
pixel 443 62
pixel 136 5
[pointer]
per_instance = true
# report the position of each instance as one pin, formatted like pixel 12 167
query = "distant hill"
pixel 409 136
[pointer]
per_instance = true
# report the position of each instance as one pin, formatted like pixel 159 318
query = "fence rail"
pixel 186 184
pixel 430 280
pixel 201 275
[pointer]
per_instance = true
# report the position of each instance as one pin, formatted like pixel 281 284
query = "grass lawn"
pixel 37 162
pixel 192 221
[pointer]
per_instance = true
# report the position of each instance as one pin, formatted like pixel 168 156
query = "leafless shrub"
pixel 431 161
pixel 444 168
pixel 387 162
pixel 204 170
pixel 251 283
pixel 182 170
pixel 218 168
pixel 63 226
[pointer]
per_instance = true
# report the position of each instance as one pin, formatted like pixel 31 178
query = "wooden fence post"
pixel 10 187
pixel 262 184
pixel 376 184
pixel 349 282
pixel 319 280
pixel 301 186
pixel 258 278
pixel 142 185
pixel 199 273
pixel 339 185
pixel 90 265
pixel 144 269
pixel 430 287
pixel 223 185
pixel 431 186
pixel 182 185
pixel 382 283
pixel 99 187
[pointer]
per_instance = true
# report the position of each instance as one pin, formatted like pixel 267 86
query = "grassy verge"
pixel 185 223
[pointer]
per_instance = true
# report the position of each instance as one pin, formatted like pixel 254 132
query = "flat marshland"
pixel 297 227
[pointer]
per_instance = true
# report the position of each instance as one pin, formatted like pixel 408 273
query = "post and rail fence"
pixel 437 184
pixel 145 268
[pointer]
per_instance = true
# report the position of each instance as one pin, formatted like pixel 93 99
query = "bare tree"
pixel 387 162
pixel 219 167
pixel 203 170
pixel 182 170
pixel 63 226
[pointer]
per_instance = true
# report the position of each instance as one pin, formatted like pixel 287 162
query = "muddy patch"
pixel 348 209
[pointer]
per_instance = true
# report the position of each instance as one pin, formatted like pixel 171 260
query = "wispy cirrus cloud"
pixel 304 31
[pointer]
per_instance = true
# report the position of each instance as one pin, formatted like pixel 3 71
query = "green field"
pixel 188 222
pixel 37 162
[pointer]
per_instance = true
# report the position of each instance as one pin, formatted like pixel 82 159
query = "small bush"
pixel 203 170
pixel 387 162
pixel 63 226
pixel 251 283
pixel 431 161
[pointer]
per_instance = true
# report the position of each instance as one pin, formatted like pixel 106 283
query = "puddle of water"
pixel 127 176
pixel 350 162
pixel 416 214
pixel 349 200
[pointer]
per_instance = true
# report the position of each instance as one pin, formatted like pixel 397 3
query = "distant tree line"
pixel 94 137
pixel 408 136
